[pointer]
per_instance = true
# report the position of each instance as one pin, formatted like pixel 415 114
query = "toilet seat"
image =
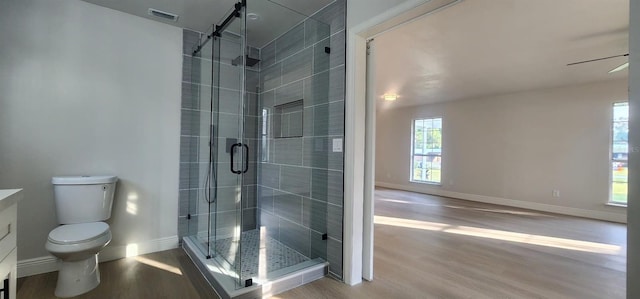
pixel 78 233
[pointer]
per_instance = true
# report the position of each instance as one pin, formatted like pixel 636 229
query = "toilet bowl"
pixel 77 246
pixel 82 204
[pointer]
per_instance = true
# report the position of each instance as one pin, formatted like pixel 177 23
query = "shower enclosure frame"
pixel 230 262
pixel 224 268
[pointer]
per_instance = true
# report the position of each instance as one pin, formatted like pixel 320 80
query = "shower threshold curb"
pixel 225 286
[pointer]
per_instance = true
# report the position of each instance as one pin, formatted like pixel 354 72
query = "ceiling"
pixel 480 48
pixel 275 16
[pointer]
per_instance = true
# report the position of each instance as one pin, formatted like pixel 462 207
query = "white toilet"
pixel 82 203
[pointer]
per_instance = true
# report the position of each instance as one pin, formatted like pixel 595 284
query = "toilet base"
pixel 77 277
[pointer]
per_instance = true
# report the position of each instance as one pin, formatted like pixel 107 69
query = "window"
pixel 426 152
pixel 619 154
pixel 264 135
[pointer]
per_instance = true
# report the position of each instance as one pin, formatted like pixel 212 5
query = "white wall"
pixel 362 15
pixel 89 90
pixel 518 147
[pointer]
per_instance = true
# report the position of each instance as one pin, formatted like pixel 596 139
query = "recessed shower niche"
pixel 261 190
pixel 288 119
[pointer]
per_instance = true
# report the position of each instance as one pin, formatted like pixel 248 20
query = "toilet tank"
pixel 81 199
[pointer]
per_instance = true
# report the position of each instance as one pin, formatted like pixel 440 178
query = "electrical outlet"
pixel 555 193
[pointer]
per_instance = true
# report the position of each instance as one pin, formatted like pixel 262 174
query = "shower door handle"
pixel 246 158
pixel 231 151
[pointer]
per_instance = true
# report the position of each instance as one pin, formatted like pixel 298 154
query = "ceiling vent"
pixel 162 14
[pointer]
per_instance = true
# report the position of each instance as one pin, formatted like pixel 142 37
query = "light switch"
pixel 337 145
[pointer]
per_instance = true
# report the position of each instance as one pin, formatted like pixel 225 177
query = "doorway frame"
pixel 359 209
pixel 359 167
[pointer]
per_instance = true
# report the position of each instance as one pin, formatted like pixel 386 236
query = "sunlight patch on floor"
pixel 539 240
pixel 159 265
pixel 501 211
pixel 267 290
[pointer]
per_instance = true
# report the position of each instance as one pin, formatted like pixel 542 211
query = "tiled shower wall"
pixel 190 137
pixel 300 181
pixel 295 181
pixel 195 130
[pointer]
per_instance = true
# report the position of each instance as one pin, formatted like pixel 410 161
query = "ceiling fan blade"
pixel 621 67
pixel 598 59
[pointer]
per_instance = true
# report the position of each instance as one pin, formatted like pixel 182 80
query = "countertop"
pixel 8 197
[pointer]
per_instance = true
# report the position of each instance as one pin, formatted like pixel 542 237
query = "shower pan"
pixel 263 105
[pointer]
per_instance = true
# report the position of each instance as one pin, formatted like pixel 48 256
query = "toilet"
pixel 82 204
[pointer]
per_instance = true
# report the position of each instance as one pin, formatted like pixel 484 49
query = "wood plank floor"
pixel 425 247
pixel 461 249
pixel 166 274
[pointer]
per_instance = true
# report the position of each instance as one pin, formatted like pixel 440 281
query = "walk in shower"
pixel 261 162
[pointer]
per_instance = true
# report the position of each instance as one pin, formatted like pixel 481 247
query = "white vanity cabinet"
pixel 8 252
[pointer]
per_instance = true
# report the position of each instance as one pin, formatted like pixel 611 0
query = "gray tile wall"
pixel 192 146
pixel 195 137
pixel 296 191
pixel 287 119
pixel 300 183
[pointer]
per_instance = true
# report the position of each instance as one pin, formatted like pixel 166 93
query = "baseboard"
pixel 37 265
pixel 599 215
pixel 49 263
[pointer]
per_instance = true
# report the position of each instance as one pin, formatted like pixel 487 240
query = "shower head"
pixel 250 61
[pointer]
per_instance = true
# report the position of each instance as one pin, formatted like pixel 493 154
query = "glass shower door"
pixel 276 104
pixel 201 186
pixel 229 143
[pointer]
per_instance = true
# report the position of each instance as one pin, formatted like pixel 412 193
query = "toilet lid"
pixel 78 233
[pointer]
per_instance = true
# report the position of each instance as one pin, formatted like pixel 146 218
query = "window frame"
pixel 612 160
pixel 265 128
pixel 413 154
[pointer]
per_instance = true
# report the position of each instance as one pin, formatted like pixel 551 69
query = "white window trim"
pixel 411 154
pixel 265 130
pixel 610 201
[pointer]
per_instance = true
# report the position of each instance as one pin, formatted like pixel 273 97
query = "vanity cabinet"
pixel 8 252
